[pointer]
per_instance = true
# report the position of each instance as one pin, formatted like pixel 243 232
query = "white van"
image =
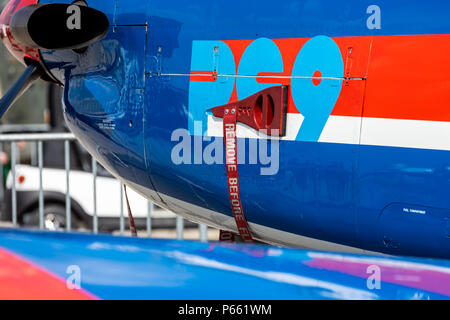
pixel 82 201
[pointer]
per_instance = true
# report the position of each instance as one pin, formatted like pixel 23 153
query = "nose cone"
pixel 21 52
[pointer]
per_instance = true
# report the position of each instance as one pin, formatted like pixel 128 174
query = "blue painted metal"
pixel 125 268
pixel 31 74
pixel 348 194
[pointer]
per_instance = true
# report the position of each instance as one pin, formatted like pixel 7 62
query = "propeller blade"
pixel 31 75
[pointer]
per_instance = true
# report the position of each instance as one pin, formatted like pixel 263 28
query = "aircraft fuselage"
pixel 365 160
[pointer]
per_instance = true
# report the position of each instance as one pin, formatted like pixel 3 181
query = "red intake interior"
pixel 265 110
pixel 21 52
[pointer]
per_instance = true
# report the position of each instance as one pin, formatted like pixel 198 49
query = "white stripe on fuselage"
pixel 416 134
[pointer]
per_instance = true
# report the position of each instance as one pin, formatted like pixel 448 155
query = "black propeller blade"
pixel 31 75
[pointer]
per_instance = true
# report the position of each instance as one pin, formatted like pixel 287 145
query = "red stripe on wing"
pixel 22 280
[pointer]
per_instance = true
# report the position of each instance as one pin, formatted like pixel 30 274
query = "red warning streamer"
pixel 130 214
pixel 230 142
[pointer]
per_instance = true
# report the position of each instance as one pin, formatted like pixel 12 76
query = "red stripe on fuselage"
pixel 407 77
pixel 22 280
pixel 205 76
pixel 351 96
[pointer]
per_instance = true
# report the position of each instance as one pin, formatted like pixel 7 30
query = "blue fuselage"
pixel 126 95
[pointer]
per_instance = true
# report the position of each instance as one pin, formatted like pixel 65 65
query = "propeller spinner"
pixel 26 27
